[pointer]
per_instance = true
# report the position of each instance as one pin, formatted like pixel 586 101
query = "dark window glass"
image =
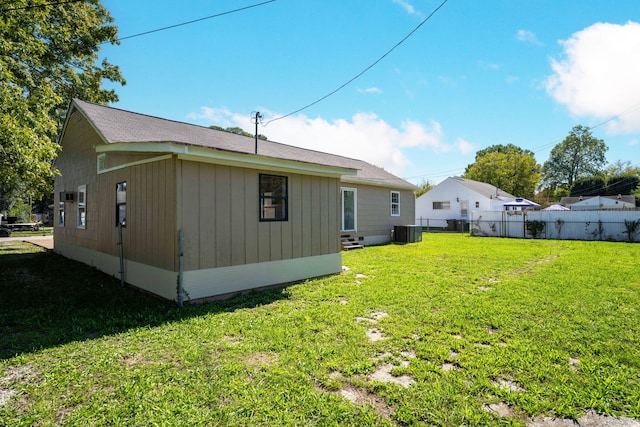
pixel 121 203
pixel 273 198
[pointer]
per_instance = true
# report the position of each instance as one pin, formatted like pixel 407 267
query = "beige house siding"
pixel 374 219
pixel 78 160
pixel 219 214
pixel 150 235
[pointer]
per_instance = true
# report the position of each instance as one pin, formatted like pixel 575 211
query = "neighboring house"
pixel 590 203
pixel 556 207
pixel 520 204
pixel 453 200
pixel 203 214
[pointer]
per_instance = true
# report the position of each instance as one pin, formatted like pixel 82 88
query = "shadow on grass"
pixel 47 300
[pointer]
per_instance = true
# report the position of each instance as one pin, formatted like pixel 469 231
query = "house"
pixel 187 212
pixel 589 203
pixel 452 200
pixel 520 204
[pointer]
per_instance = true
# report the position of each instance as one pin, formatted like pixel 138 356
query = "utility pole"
pixel 256 119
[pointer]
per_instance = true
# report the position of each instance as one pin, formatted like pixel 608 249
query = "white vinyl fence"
pixel 564 225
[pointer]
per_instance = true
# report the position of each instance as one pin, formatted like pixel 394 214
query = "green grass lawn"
pixel 431 333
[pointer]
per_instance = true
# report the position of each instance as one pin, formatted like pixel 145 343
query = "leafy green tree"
pixel 621 168
pixel 425 186
pixel 579 155
pixel 48 55
pixel 589 186
pixel 507 167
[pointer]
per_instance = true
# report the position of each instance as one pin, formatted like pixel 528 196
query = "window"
pixel 442 205
pixel 274 203
pixel 477 205
pixel 464 208
pixel 82 206
pixel 121 203
pixel 349 199
pixel 61 214
pixel 395 203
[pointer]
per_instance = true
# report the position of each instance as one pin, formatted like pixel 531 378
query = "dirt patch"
pixel 374 334
pixel 11 376
pixel 373 317
pixel 446 367
pixel 231 340
pixel 383 374
pixel 574 363
pixel 500 408
pixel 360 396
pixel 261 359
pixel 590 419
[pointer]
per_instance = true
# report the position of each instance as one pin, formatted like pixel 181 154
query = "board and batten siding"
pixel 375 221
pixel 150 236
pixel 219 214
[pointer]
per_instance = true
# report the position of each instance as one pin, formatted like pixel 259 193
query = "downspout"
pixel 121 254
pixel 180 268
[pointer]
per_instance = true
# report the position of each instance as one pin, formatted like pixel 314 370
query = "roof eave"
pixel 228 158
pixel 355 180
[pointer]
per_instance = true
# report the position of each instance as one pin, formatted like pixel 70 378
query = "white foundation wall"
pixel 220 281
pixel 206 283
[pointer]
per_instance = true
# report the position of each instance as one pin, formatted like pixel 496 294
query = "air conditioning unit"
pixel 67 196
pixel 407 233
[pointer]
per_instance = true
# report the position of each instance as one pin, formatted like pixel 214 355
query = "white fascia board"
pixel 227 158
pixel 355 180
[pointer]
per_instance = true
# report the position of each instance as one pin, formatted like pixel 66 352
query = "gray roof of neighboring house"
pixel 570 200
pixel 487 190
pixel 116 125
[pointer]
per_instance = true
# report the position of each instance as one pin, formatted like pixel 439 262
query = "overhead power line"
pixel 363 71
pixel 194 21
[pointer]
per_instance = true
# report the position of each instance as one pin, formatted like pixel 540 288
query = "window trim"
pixel 60 222
pixel 395 204
pixel 355 209
pixel 262 198
pixel 445 205
pixel 81 210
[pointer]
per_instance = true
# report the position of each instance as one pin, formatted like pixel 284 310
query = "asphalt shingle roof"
pixel 120 126
pixel 483 188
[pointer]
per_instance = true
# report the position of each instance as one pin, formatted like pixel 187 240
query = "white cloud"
pixel 465 147
pixel 365 136
pixel 485 65
pixel 370 90
pixel 528 37
pixel 408 7
pixel 598 75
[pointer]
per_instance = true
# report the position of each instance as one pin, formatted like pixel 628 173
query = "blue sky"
pixel 477 73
